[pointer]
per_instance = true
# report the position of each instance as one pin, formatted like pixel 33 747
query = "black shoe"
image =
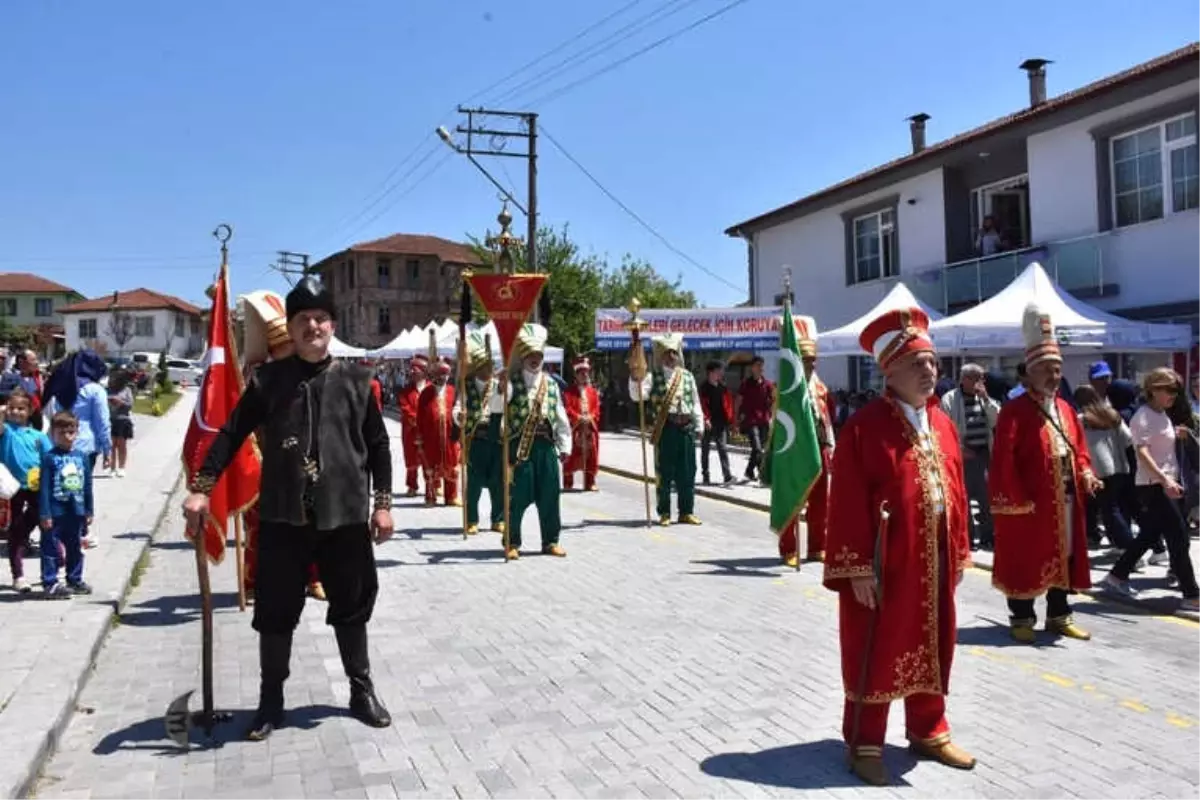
pixel 364 705
pixel 79 588
pixel 707 482
pixel 274 654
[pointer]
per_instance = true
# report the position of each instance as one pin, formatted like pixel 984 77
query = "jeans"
pixel 66 530
pixel 1110 506
pixel 720 438
pixel 758 437
pixel 23 518
pixel 975 475
pixel 1161 516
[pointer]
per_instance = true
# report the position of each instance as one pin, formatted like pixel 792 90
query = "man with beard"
pixel 1040 474
pixel 539 439
pixel 408 401
pixel 583 410
pixel 439 449
pixel 897 548
pixel 678 414
pixel 324 449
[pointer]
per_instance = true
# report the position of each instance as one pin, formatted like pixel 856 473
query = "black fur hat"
pixel 309 295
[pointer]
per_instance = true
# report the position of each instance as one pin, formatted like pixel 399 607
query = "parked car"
pixel 182 369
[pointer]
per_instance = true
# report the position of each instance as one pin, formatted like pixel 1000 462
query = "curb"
pixel 700 491
pixel 28 781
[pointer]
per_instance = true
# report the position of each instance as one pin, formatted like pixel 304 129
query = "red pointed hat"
pixel 582 363
pixel 419 362
pixel 895 334
pixel 443 366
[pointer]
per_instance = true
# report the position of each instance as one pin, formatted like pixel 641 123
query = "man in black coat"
pixel 324 446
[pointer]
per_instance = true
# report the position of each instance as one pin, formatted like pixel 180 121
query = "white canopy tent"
pixel 339 349
pixel 843 341
pixel 416 340
pixel 995 324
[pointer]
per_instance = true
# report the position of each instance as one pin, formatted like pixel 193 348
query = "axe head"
pixel 178 719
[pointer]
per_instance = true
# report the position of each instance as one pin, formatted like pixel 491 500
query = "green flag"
pixel 795 452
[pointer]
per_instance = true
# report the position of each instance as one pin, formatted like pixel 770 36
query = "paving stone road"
pixel 649 663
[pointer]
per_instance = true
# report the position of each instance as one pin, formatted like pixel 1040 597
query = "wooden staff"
pixel 463 444
pixel 240 551
pixel 638 371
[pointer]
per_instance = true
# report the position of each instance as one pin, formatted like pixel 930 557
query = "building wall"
pixel 27 308
pixel 190 344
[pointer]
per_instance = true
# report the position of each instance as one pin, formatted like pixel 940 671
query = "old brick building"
pixel 388 285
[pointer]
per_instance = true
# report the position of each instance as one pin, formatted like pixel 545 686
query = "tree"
pixel 120 326
pixel 636 278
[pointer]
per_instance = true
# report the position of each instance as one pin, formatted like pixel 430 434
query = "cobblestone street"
pixel 651 662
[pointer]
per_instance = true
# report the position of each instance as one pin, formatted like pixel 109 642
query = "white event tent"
pixel 339 349
pixel 843 341
pixel 416 340
pixel 995 324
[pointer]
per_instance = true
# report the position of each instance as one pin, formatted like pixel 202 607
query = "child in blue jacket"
pixel 65 506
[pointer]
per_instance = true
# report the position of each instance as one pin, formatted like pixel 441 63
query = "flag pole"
pixel 460 392
pixel 637 371
pixel 787 304
pixel 224 233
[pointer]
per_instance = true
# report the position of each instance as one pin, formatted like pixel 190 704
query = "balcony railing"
pixel 1077 265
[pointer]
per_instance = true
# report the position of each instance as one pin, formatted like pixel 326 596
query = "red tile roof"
pixel 133 300
pixel 26 283
pixel 410 244
pixel 1162 63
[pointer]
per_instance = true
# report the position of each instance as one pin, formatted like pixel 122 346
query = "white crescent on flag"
pixel 214 357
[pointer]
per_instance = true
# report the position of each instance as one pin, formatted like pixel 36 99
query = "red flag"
pixel 508 300
pixel 220 389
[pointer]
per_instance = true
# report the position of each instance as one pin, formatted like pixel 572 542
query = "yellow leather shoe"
pixel 411 493
pixel 870 770
pixel 472 530
pixel 593 488
pixel 1023 633
pixel 498 527
pixel 946 752
pixel 554 550
pixel 316 591
pixel 665 521
pixel 689 519
pixel 791 562
pixel 512 554
pixel 1065 626
pixel 456 502
pixel 817 557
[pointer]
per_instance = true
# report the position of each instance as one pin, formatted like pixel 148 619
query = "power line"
pixel 424 177
pixel 599 48
pixel 635 216
pixel 212 257
pixel 635 54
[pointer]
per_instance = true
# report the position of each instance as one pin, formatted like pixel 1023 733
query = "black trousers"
pixel 345 559
pixel 1161 516
pixel 758 441
pixel 1056 606
pixel 718 437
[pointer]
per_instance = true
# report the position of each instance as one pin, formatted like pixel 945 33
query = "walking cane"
pixel 637 371
pixel 864 668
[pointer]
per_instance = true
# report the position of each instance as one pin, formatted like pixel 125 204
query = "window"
pixel 195 326
pixel 1155 171
pixel 43 307
pixel 143 326
pixel 350 273
pixel 385 319
pixel 875 254
pixel 87 329
pixel 8 306
pixel 383 267
pixel 413 267
pixel 180 325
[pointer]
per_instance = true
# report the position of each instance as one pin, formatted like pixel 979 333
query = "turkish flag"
pixel 508 300
pixel 220 389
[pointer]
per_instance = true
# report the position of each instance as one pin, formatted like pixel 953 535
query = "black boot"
pixel 364 705
pixel 274 653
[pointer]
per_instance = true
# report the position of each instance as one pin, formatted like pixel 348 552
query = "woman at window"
pixel 1160 489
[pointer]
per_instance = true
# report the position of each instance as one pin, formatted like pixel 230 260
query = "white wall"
pixel 814 247
pixel 164 325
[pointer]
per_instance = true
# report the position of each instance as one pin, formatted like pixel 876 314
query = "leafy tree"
pixel 637 278
pixel 120 326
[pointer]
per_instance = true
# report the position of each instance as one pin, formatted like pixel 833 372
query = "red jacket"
pixel 726 403
pixel 377 390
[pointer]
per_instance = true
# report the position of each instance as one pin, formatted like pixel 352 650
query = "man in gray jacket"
pixel 974 414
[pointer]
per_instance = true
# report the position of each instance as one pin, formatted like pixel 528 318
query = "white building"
pixel 1101 185
pixel 139 320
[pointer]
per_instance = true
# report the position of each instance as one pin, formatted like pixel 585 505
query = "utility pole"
pixel 292 265
pixel 497 139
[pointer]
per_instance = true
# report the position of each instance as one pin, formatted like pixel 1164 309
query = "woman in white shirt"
pixel 1159 488
pixel 1108 438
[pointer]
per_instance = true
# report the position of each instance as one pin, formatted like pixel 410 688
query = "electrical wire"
pixel 413 187
pixel 554 95
pixel 131 259
pixel 599 48
pixel 712 274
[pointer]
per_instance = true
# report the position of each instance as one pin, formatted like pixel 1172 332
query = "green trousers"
pixel 535 481
pixel 675 465
pixel 483 472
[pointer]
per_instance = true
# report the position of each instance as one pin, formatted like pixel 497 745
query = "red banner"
pixel 220 389
pixel 508 300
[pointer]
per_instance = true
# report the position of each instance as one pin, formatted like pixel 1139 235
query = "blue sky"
pixel 133 128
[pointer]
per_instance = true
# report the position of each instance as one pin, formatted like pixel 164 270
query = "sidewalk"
pixel 50 646
pixel 620 454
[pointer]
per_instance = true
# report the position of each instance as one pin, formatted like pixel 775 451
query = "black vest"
pixel 340 494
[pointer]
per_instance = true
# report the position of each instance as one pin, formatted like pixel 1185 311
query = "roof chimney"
pixel 1036 67
pixel 917 126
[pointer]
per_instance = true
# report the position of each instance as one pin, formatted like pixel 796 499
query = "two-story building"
pixel 388 285
pixel 1101 185
pixel 139 320
pixel 34 303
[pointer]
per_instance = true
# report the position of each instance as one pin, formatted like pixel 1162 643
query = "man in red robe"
pixel 1040 475
pixel 407 401
pixel 583 411
pixel 817 508
pixel 896 549
pixel 439 450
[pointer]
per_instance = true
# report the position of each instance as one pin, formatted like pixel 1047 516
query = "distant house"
pixel 139 320
pixel 31 301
